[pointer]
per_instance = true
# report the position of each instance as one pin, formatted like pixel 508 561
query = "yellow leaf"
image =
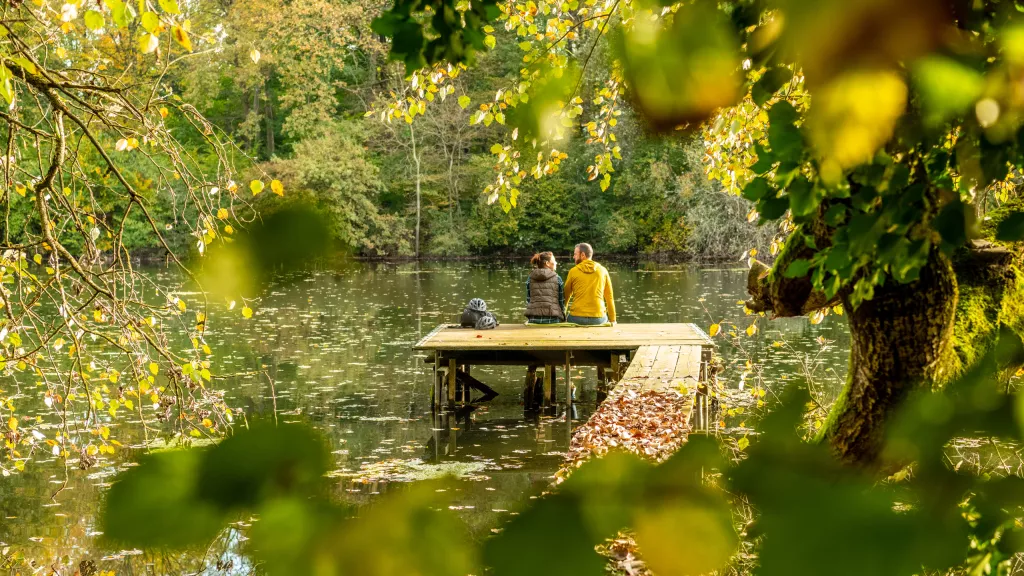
pixel 247 312
pixel 256 186
pixel 148 43
pixel 228 229
pixel 715 328
pixel 91 450
pixel 38 259
pixel 195 433
pixel 222 213
pixel 276 187
pixel 254 55
pixel 181 37
pixel 751 330
pixel 181 305
pixel 113 380
pixel 12 423
pixel 154 368
pixel 207 422
pixel 105 432
pixel 164 112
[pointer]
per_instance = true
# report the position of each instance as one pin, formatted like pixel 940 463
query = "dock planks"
pixel 568 338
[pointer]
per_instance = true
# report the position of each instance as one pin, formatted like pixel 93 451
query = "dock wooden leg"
pixel 465 398
pixel 568 389
pixel 616 376
pixel 451 384
pixel 531 383
pixel 549 389
pixel 435 391
pixel 602 384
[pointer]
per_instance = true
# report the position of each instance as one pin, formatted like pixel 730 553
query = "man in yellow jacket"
pixel 588 290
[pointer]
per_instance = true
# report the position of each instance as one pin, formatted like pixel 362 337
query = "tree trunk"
pixel 908 336
pixel 901 341
pixel 269 122
pixel 416 161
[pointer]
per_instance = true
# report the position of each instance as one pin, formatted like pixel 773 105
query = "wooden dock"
pixel 654 355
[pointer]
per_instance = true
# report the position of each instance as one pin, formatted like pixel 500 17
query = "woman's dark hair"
pixel 542 258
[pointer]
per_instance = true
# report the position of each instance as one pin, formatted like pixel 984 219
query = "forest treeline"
pixel 291 84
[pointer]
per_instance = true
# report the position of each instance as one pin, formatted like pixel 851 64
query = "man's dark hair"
pixel 586 249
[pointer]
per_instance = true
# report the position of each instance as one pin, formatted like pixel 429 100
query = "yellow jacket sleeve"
pixel 570 281
pixel 608 296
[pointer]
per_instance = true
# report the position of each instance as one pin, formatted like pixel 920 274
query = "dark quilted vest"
pixel 543 294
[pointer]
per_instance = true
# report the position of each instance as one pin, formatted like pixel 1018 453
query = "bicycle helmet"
pixel 477 304
pixel 486 323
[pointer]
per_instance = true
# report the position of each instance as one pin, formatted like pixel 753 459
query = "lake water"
pixel 337 341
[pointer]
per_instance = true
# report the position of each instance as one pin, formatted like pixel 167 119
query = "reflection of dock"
pixel 660 355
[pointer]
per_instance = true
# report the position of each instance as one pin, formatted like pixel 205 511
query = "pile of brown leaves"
pixel 650 423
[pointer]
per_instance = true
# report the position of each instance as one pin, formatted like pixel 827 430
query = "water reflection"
pixel 332 347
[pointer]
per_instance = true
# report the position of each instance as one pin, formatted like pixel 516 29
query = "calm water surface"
pixel 337 344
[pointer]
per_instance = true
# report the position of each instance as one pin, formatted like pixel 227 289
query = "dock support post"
pixel 531 383
pixel 435 391
pixel 451 383
pixel 549 388
pixel 616 369
pixel 465 398
pixel 568 389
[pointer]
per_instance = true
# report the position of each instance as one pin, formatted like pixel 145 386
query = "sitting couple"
pixel 584 298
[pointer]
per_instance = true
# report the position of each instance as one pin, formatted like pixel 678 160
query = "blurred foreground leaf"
pixel 156 504
pixel 682 67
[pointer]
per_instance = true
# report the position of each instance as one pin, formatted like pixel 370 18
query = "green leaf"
pixel 782 113
pixel 1011 229
pixel 769 84
pixel 25 64
pixel 797 268
pixel 951 224
pixel 118 12
pixel 93 20
pixel 156 503
pixel 765 160
pixel 262 463
pixel 835 215
pixel 464 102
pixel 786 142
pixel 772 208
pixel 803 197
pixel 150 21
pixel 170 6
pixel 572 552
pixel 6 88
pixel 757 188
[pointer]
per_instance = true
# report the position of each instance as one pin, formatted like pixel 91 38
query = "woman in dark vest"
pixel 545 296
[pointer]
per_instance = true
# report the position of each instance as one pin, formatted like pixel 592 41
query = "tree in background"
pixel 94 166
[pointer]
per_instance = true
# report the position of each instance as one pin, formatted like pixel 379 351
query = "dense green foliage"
pixel 304 122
